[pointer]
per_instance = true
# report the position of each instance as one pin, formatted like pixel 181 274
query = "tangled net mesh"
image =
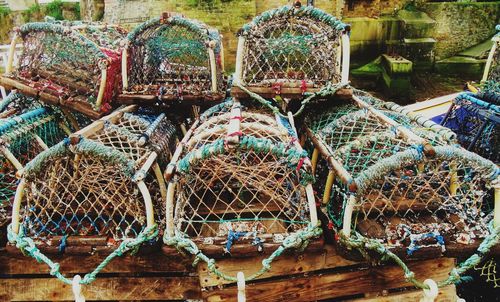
pixel 254 189
pixel 64 64
pixel 170 57
pixel 293 47
pixel 16 103
pixel 476 124
pixel 20 138
pixel 489 271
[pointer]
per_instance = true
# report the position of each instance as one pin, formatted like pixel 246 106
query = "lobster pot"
pixel 173 58
pixel 61 66
pixel 241 183
pixel 23 137
pixel 477 124
pixel 105 181
pixel 415 204
pixel 290 51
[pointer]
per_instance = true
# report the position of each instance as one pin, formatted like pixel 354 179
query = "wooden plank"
pixel 332 284
pixel 285 265
pixel 151 99
pixel 447 294
pixel 102 289
pixel 287 92
pixel 16 263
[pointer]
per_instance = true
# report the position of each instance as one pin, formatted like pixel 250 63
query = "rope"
pixel 28 247
pixel 328 90
pixel 298 241
pixel 363 244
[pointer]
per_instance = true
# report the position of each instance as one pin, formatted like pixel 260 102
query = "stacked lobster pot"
pixel 170 60
pixel 398 187
pixel 99 191
pixel 22 137
pixel 291 52
pixel 75 66
pixel 240 184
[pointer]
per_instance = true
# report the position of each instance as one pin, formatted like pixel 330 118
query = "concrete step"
pixel 479 51
pixel 416 24
pixel 459 66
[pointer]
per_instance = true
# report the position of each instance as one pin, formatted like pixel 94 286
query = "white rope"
pixel 77 289
pixel 431 293
pixel 241 287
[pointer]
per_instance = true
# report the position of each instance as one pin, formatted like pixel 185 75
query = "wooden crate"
pixel 316 275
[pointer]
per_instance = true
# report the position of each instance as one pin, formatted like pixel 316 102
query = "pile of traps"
pixel 391 185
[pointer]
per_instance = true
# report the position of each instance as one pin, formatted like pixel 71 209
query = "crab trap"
pixel 395 178
pixel 172 58
pixel 291 51
pixel 477 124
pixel 74 66
pixel 240 184
pixel 99 191
pixel 22 137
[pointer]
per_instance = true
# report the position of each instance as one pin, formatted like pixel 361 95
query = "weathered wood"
pixel 241 250
pixel 321 285
pixel 16 263
pixel 446 294
pixel 285 265
pixel 151 99
pixel 103 289
pixel 287 92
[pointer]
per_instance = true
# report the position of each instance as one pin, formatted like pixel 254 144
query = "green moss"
pixel 4 11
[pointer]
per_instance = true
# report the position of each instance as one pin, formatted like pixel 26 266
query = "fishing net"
pixel 488 270
pixel 63 67
pixel 16 103
pixel 291 47
pixel 105 35
pixel 174 58
pixel 22 137
pixel 238 189
pixel 476 124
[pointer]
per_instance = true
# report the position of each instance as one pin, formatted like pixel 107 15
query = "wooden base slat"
pixel 327 285
pixel 446 294
pixel 102 289
pixel 287 92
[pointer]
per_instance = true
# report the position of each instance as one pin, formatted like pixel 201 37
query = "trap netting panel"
pixel 105 35
pixel 488 271
pixel 296 47
pixel 477 125
pixel 16 103
pixel 21 140
pixel 63 63
pixel 82 190
pixel 251 191
pixel 449 196
pixel 254 188
pixel 170 57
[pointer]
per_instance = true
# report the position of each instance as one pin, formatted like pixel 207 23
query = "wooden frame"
pixel 489 61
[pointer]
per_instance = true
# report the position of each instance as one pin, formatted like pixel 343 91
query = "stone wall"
pixel 461 25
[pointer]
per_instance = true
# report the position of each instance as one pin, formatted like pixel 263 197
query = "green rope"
pixel 329 90
pixel 298 241
pixel 363 244
pixel 28 247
